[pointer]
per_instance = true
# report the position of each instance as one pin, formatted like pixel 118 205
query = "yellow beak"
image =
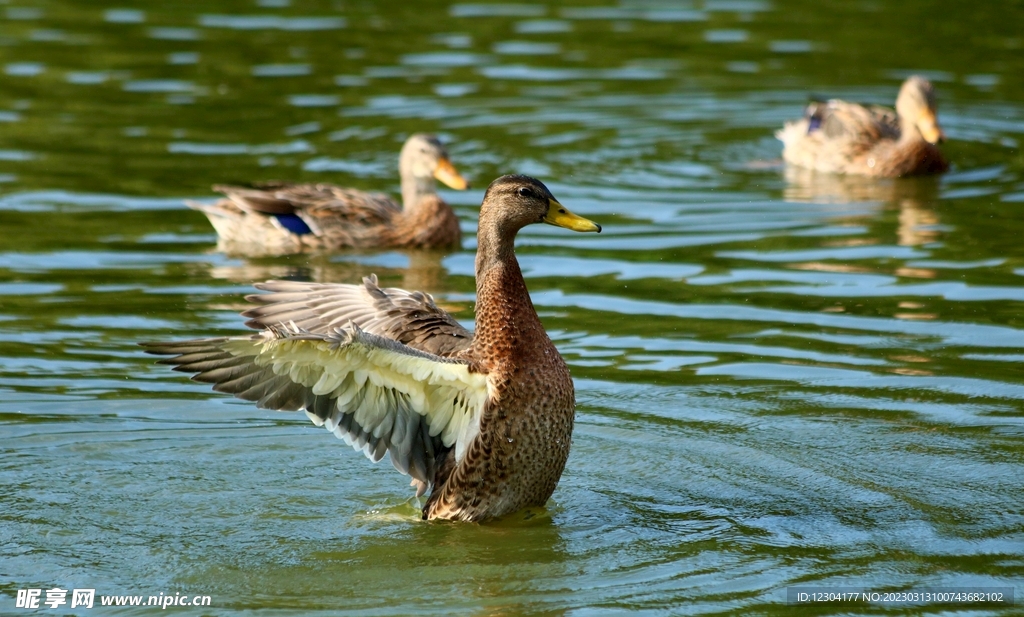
pixel 559 216
pixel 446 172
pixel 929 127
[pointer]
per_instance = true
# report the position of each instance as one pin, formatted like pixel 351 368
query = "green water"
pixel 783 380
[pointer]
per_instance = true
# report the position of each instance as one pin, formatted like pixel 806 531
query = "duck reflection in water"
pixel 914 199
pixel 422 270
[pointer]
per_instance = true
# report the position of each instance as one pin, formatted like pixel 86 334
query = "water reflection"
pixel 412 270
pixel 482 570
pixel 914 199
pixel 807 185
pixel 917 225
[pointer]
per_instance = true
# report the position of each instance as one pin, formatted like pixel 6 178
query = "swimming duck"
pixel 277 218
pixel 871 140
pixel 484 419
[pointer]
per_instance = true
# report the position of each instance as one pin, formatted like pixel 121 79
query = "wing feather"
pixel 411 318
pixel 378 395
pixel 861 125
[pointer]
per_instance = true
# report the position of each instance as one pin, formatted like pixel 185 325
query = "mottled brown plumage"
pixel 275 218
pixel 485 419
pixel 871 140
pixel 526 428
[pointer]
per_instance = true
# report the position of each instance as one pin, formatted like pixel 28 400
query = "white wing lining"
pixel 377 380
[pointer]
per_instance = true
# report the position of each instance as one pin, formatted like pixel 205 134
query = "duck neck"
pixel 415 188
pixel 909 132
pixel 505 317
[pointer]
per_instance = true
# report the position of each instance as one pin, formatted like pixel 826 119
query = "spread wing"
pixel 408 317
pixel 378 395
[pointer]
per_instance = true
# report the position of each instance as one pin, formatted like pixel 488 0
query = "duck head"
pixel 916 105
pixel 424 159
pixel 514 201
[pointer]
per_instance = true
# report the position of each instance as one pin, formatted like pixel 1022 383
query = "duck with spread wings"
pixel 483 419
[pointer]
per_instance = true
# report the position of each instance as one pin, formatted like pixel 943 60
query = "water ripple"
pixel 271 22
pixel 957 334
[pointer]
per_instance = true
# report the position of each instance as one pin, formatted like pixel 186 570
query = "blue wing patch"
pixel 815 114
pixel 293 223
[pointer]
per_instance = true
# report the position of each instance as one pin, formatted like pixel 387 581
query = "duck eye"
pixel 525 192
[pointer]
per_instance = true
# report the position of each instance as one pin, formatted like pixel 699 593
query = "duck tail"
pixel 222 208
pixel 792 132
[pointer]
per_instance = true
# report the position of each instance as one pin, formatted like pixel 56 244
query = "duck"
pixel 276 218
pixel 871 140
pixel 482 419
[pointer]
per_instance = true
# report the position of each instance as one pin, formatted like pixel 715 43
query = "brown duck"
pixel 279 219
pixel 871 140
pixel 484 419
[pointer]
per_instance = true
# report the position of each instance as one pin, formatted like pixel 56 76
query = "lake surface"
pixel 784 380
